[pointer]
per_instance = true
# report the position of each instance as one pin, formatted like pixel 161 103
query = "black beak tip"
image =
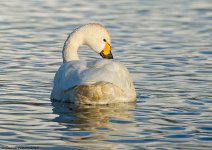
pixel 109 56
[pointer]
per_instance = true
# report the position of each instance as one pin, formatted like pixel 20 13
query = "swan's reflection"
pixel 87 118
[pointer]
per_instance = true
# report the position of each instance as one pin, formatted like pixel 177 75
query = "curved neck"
pixel 71 46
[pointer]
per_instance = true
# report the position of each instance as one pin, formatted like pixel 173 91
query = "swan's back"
pixel 98 82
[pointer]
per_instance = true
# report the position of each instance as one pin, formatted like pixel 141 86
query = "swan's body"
pixel 98 82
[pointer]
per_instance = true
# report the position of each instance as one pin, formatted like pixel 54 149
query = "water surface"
pixel 166 45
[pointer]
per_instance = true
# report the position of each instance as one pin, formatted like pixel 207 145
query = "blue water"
pixel 166 46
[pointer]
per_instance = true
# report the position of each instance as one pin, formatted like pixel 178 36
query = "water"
pixel 166 45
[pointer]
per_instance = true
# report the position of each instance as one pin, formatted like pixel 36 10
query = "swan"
pixel 102 81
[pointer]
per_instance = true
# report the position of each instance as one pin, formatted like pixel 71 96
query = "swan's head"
pixel 97 38
pixel 94 35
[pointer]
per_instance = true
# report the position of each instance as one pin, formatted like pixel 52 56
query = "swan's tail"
pixel 98 93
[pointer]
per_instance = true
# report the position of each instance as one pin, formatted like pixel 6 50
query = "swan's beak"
pixel 106 52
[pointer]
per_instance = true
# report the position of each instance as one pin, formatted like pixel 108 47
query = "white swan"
pixel 102 81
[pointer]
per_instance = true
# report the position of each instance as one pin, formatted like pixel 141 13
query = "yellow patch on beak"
pixel 106 50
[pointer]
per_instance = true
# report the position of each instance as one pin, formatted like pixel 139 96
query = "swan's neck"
pixel 71 46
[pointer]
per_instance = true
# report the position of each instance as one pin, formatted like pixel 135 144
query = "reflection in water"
pixel 92 126
pixel 93 117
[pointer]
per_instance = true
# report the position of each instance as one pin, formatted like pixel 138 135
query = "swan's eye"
pixel 104 40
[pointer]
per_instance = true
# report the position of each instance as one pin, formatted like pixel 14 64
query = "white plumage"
pixel 101 81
